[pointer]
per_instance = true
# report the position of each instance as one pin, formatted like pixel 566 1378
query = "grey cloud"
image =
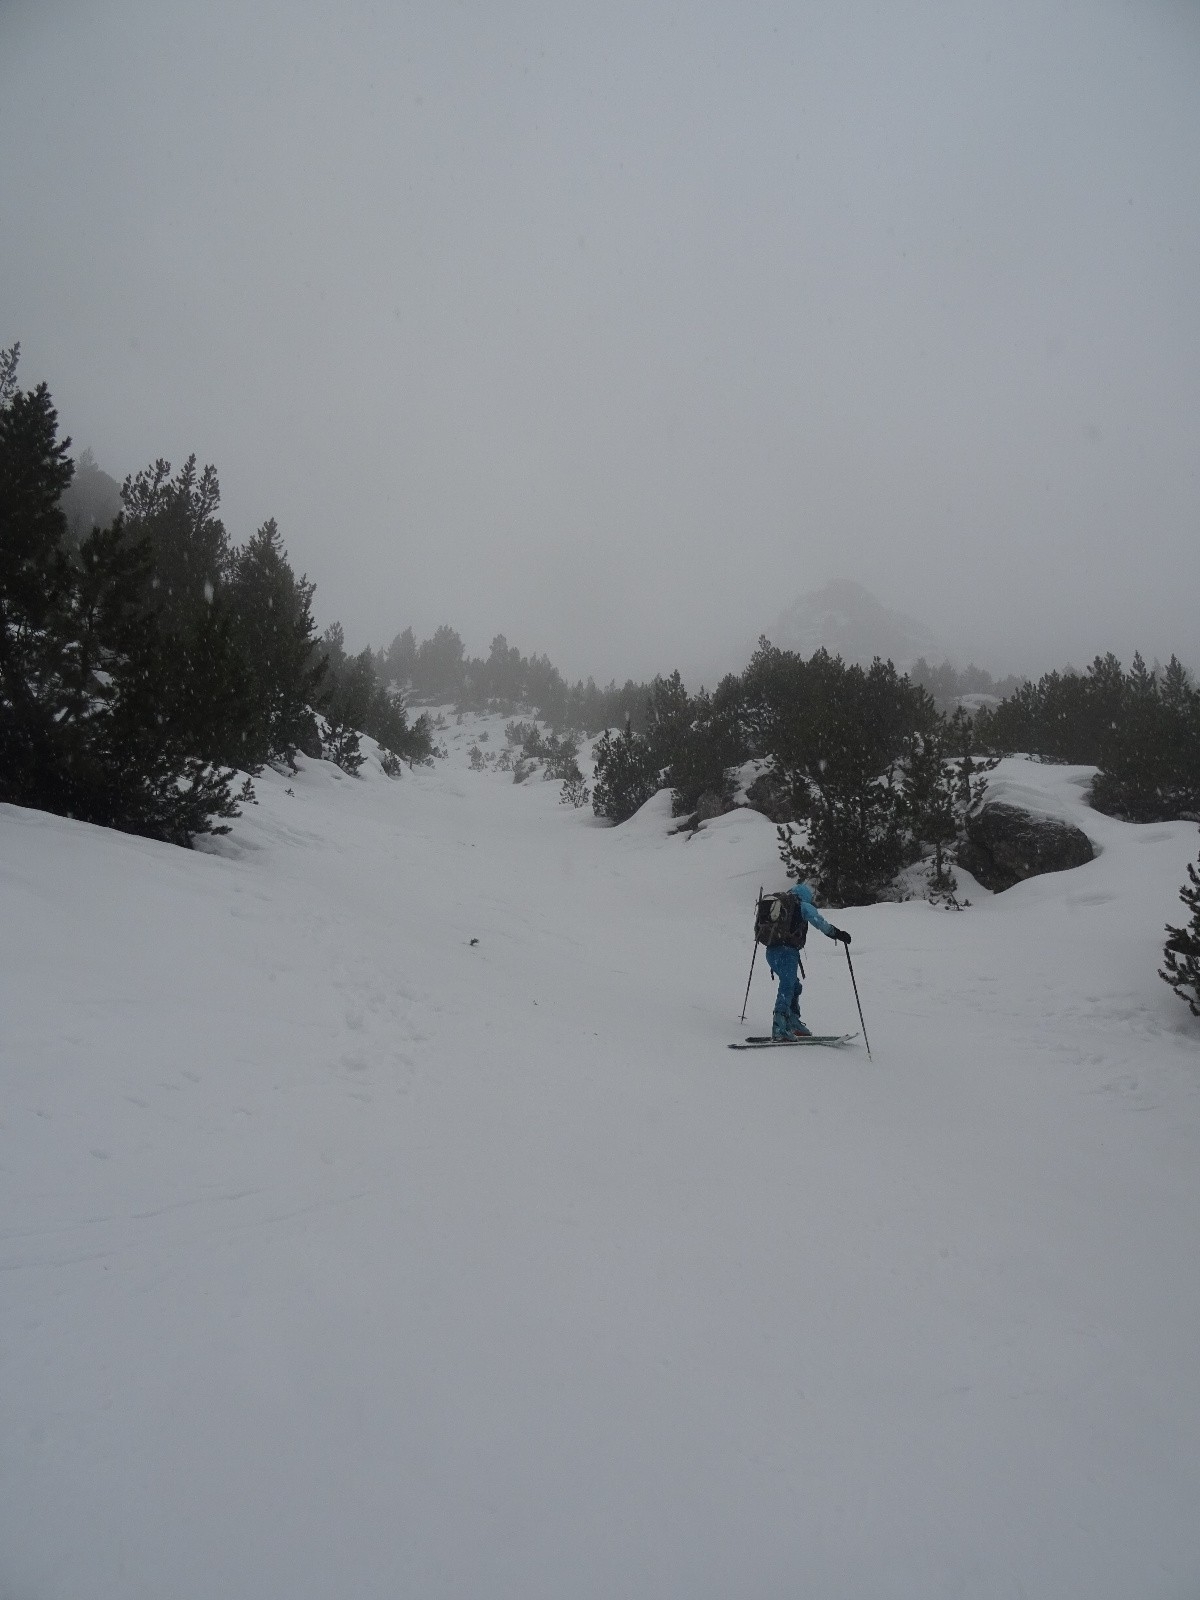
pixel 616 330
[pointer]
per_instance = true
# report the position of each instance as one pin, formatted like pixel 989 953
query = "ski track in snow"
pixel 340 1256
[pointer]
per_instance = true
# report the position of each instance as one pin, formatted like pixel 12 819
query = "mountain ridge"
pixel 846 619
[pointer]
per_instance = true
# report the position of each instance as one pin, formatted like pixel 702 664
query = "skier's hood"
pixel 805 893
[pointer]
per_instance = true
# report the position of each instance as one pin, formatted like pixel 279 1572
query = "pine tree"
pixel 574 791
pixel 438 668
pixel 668 718
pixel 713 744
pixel 1181 954
pixel 626 774
pixel 131 766
pixel 836 739
pixel 85 729
pixel 1181 735
pixel 400 659
pixel 1150 755
pixel 966 775
pixel 927 787
pixel 854 847
pixel 344 702
pixel 206 678
pixel 9 360
pixel 35 596
pixel 503 676
pixel 191 548
pixel 91 500
pixel 354 702
pixel 275 632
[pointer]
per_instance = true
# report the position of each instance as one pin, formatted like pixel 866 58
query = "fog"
pixel 617 328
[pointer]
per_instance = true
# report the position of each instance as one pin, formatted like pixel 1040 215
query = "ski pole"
pixel 857 1001
pixel 754 957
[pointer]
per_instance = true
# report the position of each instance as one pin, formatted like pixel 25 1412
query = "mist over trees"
pixel 850 752
pixel 85 724
pixel 1140 727
pixel 861 757
pixel 92 499
pixel 880 768
pixel 948 687
pixel 145 660
pixel 438 672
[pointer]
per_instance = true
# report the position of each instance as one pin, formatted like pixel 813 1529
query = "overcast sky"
pixel 615 327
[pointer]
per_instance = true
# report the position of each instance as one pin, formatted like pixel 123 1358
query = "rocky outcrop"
pixel 1006 844
pixel 714 803
pixel 846 620
pixel 310 740
pixel 773 796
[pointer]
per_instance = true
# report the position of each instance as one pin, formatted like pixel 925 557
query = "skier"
pixel 783 958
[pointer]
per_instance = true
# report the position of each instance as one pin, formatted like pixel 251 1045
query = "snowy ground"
pixel 342 1256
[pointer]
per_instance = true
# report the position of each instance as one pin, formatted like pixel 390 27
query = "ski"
pixel 765 1042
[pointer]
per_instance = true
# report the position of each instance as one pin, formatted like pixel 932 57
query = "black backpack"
pixel 778 919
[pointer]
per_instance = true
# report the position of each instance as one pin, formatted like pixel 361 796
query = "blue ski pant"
pixel 784 962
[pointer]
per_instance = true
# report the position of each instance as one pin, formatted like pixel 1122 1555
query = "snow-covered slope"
pixel 345 1256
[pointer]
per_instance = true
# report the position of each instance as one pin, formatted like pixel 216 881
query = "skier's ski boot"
pixel 797 1028
pixel 782 1029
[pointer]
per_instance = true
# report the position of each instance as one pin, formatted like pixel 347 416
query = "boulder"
pixel 1007 844
pixel 310 739
pixel 714 803
pixel 773 796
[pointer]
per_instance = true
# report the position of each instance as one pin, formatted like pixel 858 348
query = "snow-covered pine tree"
pixel 838 741
pixel 969 771
pixel 354 702
pixel 133 767
pixel 714 744
pixel 349 684
pixel 668 718
pixel 626 774
pixel 927 787
pixel 562 759
pixel 87 691
pixel 206 688
pixel 1181 953
pixel 854 845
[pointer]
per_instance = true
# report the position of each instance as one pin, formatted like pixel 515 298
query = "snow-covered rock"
pixel 1007 844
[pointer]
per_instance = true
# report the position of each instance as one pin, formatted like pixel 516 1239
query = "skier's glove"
pixel 842 935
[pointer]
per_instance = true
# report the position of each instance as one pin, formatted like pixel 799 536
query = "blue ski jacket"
pixel 808 909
